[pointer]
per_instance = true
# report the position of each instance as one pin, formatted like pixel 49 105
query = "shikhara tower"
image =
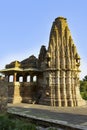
pixel 61 75
pixel 56 70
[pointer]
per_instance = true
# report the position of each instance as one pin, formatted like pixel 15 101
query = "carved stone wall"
pixel 23 92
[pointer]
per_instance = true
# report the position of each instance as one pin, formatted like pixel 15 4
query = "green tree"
pixel 83 88
pixel 85 78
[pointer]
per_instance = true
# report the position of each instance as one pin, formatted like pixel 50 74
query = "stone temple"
pixel 52 78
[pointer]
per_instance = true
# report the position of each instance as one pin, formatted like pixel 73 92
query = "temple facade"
pixel 52 78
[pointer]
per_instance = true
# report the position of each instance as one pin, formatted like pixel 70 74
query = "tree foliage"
pixel 83 88
pixel 85 78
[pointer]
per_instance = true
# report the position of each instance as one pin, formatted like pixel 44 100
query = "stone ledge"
pixel 48 122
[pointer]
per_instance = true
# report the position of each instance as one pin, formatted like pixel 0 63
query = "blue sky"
pixel 25 26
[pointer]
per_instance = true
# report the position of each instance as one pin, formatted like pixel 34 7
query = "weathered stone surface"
pixel 31 62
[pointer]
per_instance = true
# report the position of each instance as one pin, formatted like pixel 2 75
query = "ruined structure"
pixel 53 77
pixel 3 94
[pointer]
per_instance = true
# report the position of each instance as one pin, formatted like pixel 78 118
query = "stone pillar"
pixel 31 78
pixel 8 78
pixel 51 88
pixel 63 89
pixel 73 88
pixel 62 77
pixel 17 97
pixel 69 89
pixel 68 75
pixel 14 79
pixel 24 78
pixel 58 89
pixel 52 85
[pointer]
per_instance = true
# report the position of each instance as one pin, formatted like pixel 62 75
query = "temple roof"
pixel 10 70
pixel 13 64
pixel 27 65
pixel 19 70
pixel 31 62
pixel 32 69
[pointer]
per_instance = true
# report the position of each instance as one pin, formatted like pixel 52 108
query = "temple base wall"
pixel 23 93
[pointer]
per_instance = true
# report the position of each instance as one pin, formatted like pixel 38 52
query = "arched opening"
pixel 21 79
pixel 10 78
pixel 28 78
pixel 35 78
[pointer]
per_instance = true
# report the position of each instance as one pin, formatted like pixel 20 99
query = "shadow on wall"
pixel 30 93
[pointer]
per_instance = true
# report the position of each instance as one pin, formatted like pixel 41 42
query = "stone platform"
pixel 70 116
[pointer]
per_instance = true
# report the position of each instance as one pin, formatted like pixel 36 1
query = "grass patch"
pixel 9 123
